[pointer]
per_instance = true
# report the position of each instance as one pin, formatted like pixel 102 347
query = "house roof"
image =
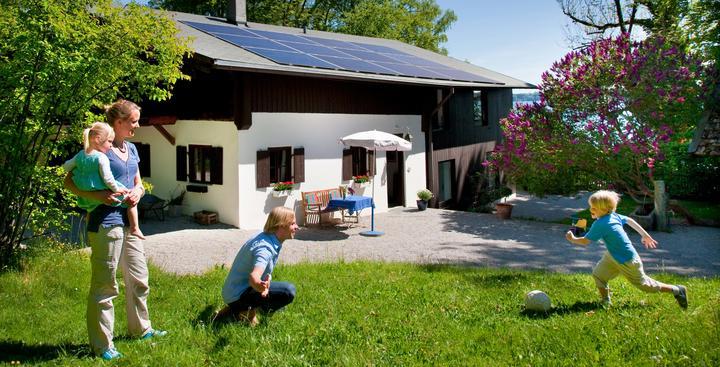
pixel 225 55
pixel 707 134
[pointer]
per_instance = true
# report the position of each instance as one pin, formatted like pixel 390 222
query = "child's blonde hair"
pixel 280 216
pixel 605 200
pixel 119 110
pixel 101 129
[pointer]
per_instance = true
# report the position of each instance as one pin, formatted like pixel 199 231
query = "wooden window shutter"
pixel 347 163
pixel 299 165
pixel 262 169
pixel 216 165
pixel 181 163
pixel 371 162
pixel 144 155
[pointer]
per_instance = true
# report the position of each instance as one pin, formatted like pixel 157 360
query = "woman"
pixel 112 242
pixel 248 284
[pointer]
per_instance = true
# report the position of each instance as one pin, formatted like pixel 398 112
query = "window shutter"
pixel 371 163
pixel 144 155
pixel 347 164
pixel 299 165
pixel 262 169
pixel 181 163
pixel 216 166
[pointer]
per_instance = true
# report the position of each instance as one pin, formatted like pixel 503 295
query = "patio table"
pixel 352 203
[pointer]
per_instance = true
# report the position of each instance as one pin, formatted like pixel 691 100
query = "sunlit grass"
pixel 369 313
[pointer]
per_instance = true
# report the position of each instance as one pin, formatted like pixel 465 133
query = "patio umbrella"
pixel 377 141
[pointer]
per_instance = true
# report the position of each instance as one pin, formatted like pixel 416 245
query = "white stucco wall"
pixel 238 201
pixel 220 198
pixel 319 134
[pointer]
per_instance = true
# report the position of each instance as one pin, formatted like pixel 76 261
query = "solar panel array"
pixel 308 51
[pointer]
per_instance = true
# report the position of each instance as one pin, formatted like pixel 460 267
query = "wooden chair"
pixel 315 204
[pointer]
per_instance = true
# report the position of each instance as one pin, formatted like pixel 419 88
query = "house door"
pixel 396 178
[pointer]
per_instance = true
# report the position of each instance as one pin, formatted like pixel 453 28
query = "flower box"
pixel 280 194
pixel 205 217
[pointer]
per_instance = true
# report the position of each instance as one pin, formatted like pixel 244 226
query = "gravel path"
pixel 434 236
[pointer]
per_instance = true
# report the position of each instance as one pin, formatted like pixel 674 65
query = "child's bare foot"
pixel 248 317
pixel 137 233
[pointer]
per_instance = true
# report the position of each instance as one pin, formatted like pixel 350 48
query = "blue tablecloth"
pixel 352 203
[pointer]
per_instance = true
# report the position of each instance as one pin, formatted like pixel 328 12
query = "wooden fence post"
pixel 661 206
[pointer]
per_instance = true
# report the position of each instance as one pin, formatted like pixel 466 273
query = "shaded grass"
pixel 369 313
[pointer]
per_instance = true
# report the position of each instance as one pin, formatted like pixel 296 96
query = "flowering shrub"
pixel 283 186
pixel 425 194
pixel 605 114
pixel 361 179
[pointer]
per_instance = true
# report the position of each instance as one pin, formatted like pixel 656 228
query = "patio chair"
pixel 153 204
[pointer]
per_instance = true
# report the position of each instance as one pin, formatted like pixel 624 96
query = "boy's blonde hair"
pixel 97 129
pixel 605 200
pixel 120 110
pixel 280 216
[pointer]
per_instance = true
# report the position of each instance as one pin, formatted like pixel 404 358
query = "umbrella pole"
pixel 372 232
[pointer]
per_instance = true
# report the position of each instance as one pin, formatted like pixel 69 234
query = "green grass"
pixel 369 313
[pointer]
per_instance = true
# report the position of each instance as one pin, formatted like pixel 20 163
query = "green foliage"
pixel 425 194
pixel 418 22
pixel 60 59
pixel 368 313
pixel 688 176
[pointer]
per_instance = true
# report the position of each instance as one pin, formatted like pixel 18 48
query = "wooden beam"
pixel 165 134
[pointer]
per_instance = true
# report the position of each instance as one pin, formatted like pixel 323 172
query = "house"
pixel 269 104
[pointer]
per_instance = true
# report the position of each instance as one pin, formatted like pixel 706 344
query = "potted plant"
pixel 361 180
pixel 283 188
pixel 424 196
pixel 503 210
pixel 175 204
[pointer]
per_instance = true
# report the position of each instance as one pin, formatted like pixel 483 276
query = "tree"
pixel 59 60
pixel 605 114
pixel 418 22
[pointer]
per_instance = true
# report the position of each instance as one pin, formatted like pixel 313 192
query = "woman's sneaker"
pixel 152 333
pixel 681 297
pixel 110 354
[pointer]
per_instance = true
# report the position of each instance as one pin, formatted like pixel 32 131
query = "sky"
pixel 518 38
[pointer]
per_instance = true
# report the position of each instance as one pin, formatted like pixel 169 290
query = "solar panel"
pixel 291 58
pixel 309 51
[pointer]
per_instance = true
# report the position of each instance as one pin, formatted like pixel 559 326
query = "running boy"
pixel 620 257
pixel 91 170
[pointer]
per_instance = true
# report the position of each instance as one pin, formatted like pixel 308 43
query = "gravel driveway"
pixel 433 236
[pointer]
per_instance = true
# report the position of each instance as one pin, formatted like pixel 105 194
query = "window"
pixel 279 164
pixel 144 153
pixel 280 167
pixel 446 173
pixel 480 108
pixel 199 164
pixel 358 161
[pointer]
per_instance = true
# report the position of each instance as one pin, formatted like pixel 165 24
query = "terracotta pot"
pixel 503 210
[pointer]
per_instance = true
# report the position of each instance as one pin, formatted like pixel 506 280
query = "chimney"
pixel 236 12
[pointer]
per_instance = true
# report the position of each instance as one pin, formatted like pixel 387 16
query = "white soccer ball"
pixel 537 301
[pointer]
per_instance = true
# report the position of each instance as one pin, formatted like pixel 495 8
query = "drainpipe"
pixel 236 12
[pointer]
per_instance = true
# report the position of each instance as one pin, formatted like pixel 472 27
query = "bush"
pixel 424 194
pixel 688 176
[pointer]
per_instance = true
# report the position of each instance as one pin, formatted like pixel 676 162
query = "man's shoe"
pixel 152 333
pixel 681 297
pixel 110 354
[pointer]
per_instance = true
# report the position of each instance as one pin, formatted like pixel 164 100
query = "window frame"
pixel 276 174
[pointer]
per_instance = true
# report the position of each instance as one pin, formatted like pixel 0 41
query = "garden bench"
pixel 315 204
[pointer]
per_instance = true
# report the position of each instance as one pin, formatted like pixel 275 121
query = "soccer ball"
pixel 537 301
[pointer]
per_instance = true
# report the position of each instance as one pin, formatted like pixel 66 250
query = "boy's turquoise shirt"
pixel 609 228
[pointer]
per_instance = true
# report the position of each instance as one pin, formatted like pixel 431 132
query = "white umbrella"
pixel 376 140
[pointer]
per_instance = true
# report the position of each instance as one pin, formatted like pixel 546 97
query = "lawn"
pixel 369 313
